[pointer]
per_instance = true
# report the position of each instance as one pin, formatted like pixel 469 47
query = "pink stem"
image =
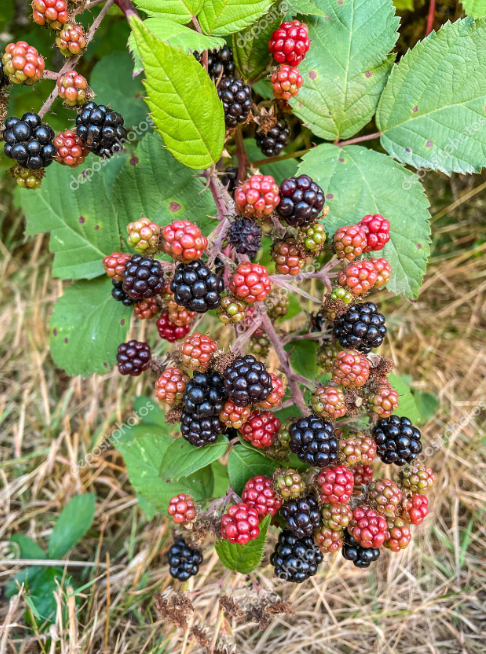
pixel 430 18
pixel 127 7
pixel 360 139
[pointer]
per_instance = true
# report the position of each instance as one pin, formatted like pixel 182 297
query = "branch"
pixel 360 139
pixel 225 208
pixel 430 18
pixel 127 7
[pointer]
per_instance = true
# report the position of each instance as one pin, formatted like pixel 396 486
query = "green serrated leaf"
pixel 304 7
pixel 404 4
pixel 250 46
pixel 180 11
pixel 427 405
pixel 84 341
pixel 74 521
pixel 222 17
pixel 82 221
pixel 191 124
pixel 474 8
pixel 176 35
pixel 407 406
pixel 182 458
pixel 152 183
pixel 143 451
pixel 303 356
pixel 28 547
pixel 346 67
pixel 357 182
pixel 244 558
pixel 432 113
pixel 245 463
pixel 150 412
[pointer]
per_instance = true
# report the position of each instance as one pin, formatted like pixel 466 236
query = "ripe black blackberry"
pixel 397 440
pixel 220 62
pixel 314 441
pixel 119 294
pixel 184 561
pixel 196 287
pixel 273 142
pixel 143 277
pixel 360 328
pixel 360 556
pixel 200 431
pixel 101 129
pixel 246 381
pixel 245 236
pixel 301 201
pixel 133 358
pixel 229 178
pixel 236 99
pixel 302 516
pixel 29 141
pixel 204 396
pixel 295 559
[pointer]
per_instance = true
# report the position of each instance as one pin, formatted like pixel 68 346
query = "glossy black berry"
pixel 101 129
pixel 119 294
pixel 245 236
pixel 196 287
pixel 246 381
pixel 314 441
pixel 295 559
pixel 301 201
pixel 361 328
pixel 133 358
pixel 236 99
pixel 360 556
pixel 274 141
pixel 302 516
pixel 220 62
pixel 29 141
pixel 143 277
pixel 397 440
pixel 200 431
pixel 229 179
pixel 184 561
pixel 204 396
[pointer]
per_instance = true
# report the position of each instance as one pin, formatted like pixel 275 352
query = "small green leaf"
pixel 404 5
pixel 250 46
pixel 432 113
pixel 73 523
pixel 474 8
pixel 182 458
pixel 244 463
pixel 222 17
pixel 180 11
pixel 427 405
pixel 87 327
pixel 407 407
pixel 28 548
pixel 191 124
pixel 147 509
pixel 304 7
pixel 221 479
pixel 303 355
pixel 244 558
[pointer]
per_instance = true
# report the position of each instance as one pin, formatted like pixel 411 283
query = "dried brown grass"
pixel 431 598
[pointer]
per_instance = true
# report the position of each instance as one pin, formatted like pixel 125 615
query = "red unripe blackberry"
pixel 240 524
pixel 362 474
pixel 250 282
pixel 290 42
pixel 358 448
pixel 133 358
pixel 171 385
pixel 276 396
pixel 258 494
pixel 180 316
pixel 71 39
pixel 383 270
pixel 246 381
pixel 417 478
pixel 257 197
pixel 260 429
pixel 146 309
pixel 196 351
pixel 383 401
pixel 277 303
pixel 285 82
pixel 143 236
pixel 184 241
pixel 368 527
pixel 414 509
pixel 236 99
pixel 335 485
pixel 349 242
pixel 143 277
pixel 328 540
pixel 384 495
pixel 302 516
pixel 71 151
pixel 234 416
pixel 399 535
pixel 301 201
pixel 114 265
pixel 336 517
pixel 327 355
pixel 329 401
pixel 168 330
pixel 288 257
pixel 182 509
pixel 350 369
pixel 73 89
pixel 358 277
pixel 377 230
pixel 53 13
pixel 22 63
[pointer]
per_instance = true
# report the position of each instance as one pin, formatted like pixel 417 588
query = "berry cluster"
pixel 288 44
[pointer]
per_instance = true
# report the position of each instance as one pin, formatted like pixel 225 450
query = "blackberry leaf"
pixel 182 459
pixel 221 17
pixel 180 11
pixel 245 463
pixel 474 8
